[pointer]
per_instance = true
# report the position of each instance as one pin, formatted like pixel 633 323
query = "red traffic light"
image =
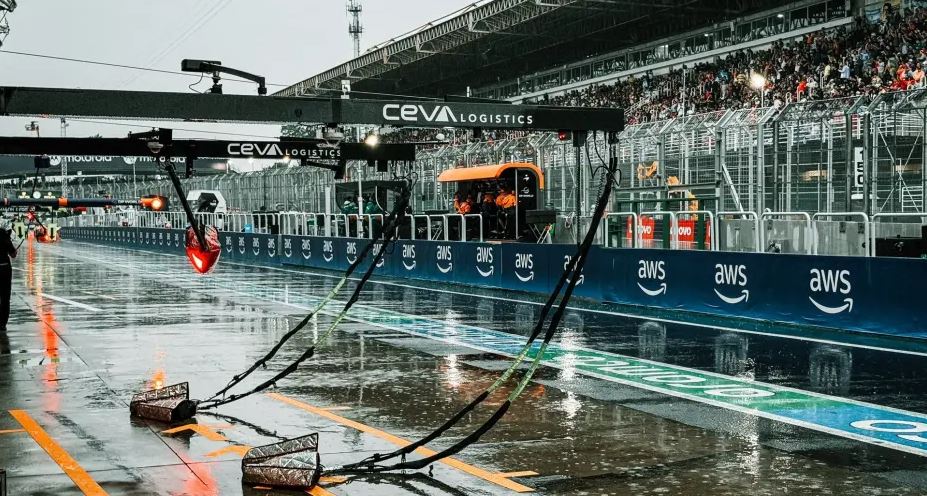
pixel 154 202
pixel 564 135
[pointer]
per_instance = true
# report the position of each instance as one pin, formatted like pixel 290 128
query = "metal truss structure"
pixel 6 6
pixel 496 37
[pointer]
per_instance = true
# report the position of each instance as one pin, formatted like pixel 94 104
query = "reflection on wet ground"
pixel 93 325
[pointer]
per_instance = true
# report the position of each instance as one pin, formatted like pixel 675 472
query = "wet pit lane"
pixel 92 325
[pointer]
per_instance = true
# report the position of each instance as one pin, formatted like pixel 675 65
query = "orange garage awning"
pixel 485 172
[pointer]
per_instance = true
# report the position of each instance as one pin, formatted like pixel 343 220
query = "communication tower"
pixel 355 29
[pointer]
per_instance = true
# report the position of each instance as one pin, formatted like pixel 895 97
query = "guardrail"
pixel 671 227
pixel 807 240
pixel 634 231
pixel 867 245
pixel 747 216
pixel 824 233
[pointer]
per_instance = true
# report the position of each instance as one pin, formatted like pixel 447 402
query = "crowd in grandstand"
pixel 857 59
pixel 852 60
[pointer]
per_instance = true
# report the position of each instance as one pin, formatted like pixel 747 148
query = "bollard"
pixel 293 463
pixel 2 482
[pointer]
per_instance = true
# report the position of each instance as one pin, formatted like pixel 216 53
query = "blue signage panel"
pixel 855 293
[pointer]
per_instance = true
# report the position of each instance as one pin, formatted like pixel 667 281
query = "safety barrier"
pixel 839 237
pixel 648 230
pixel 781 235
pixel 825 233
pixel 880 229
pixel 853 293
pixel 631 234
pixel 730 232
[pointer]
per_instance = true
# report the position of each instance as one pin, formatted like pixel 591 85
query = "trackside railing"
pixel 824 233
pixel 739 231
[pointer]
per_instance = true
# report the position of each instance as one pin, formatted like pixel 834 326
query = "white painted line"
pixel 70 302
pixel 98 295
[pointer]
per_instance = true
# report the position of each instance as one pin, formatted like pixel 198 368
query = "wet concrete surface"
pixel 93 325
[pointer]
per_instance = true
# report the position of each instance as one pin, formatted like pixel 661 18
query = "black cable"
pixel 125 66
pixel 577 266
pixel 140 126
pixel 574 267
pixel 388 231
pixel 200 80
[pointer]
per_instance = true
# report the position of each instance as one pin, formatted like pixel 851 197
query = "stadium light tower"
pixel 355 29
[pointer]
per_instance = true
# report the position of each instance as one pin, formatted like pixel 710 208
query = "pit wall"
pixel 875 295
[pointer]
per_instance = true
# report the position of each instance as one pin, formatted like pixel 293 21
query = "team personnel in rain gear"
pixel 488 211
pixel 7 253
pixel 349 208
pixel 506 204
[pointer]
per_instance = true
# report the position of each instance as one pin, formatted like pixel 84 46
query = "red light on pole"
pixel 203 259
pixel 156 203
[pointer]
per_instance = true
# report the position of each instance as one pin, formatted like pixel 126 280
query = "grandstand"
pixel 836 124
pixel 497 40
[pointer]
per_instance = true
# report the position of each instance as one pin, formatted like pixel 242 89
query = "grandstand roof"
pixel 493 40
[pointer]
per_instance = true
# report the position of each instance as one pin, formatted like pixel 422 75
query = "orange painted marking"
pixel 525 473
pixel 318 491
pixel 486 475
pixel 11 431
pixel 202 430
pixel 69 465
pixel 237 449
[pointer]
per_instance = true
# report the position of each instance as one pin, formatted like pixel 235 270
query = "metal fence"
pixel 835 233
pixel 816 157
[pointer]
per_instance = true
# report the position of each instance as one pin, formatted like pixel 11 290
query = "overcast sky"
pixel 284 40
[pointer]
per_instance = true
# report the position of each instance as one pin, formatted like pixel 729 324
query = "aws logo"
pixel 287 247
pixel 566 263
pixel 444 255
pixel 328 251
pixel 241 245
pixel 377 248
pixel 228 244
pixel 408 253
pixel 271 247
pixel 350 252
pixel 831 282
pixel 160 239
pixel 650 271
pixel 732 275
pixel 483 257
pixel 524 262
pixel 256 246
pixel 306 249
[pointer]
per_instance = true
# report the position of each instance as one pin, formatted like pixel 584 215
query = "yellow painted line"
pixel 69 465
pixel 318 491
pixel 237 449
pixel 202 430
pixel 12 431
pixel 486 475
pixel 525 473
pixel 333 479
